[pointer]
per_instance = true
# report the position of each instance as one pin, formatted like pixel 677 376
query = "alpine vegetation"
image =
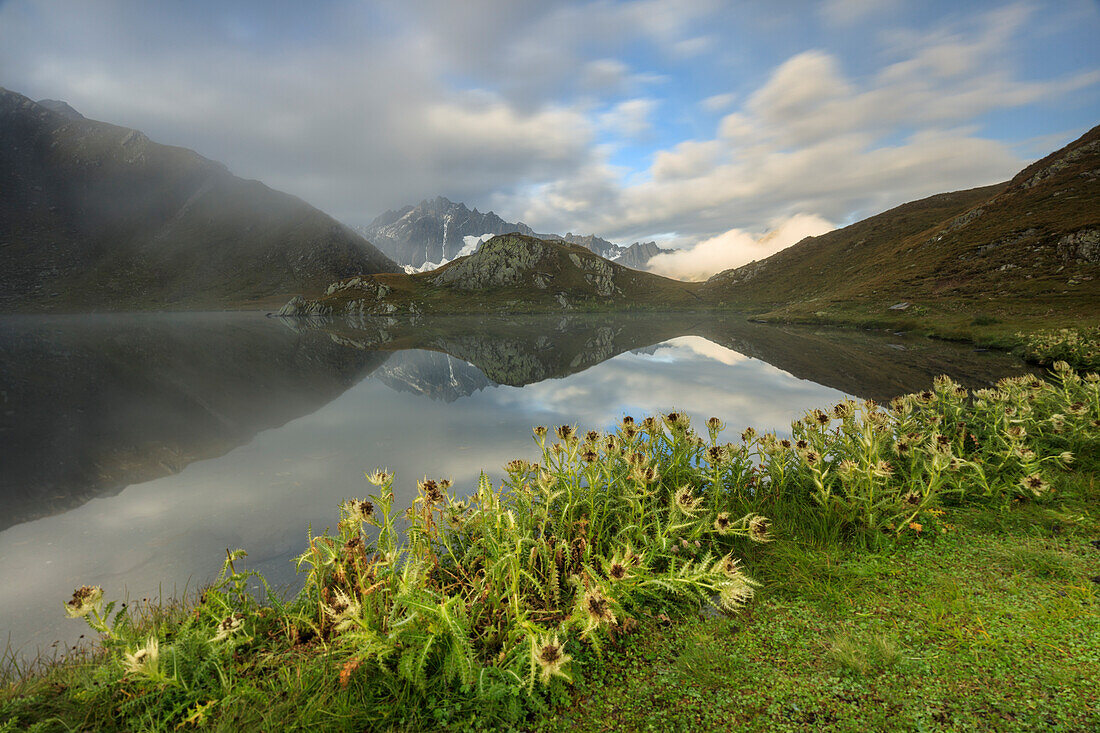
pixel 489 605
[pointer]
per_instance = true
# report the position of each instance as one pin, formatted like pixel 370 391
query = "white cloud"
pixel 735 247
pixel 630 118
pixel 718 102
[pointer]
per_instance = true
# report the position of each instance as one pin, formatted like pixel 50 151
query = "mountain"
pixel 1025 249
pixel 434 232
pixel 509 273
pixel 95 216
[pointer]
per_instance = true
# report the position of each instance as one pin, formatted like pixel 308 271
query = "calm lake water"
pixel 135 449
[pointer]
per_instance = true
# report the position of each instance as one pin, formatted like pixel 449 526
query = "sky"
pixel 729 129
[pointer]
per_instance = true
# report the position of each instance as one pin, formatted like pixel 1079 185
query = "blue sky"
pixel 685 120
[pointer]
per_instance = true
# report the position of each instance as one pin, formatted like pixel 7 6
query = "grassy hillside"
pixel 991 260
pixel 511 273
pixel 95 216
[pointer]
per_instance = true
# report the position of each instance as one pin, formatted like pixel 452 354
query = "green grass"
pixel 993 624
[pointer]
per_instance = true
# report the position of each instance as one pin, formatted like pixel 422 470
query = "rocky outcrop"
pixel 1082 246
pixel 500 261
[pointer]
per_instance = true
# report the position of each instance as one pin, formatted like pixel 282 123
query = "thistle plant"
pixel 500 590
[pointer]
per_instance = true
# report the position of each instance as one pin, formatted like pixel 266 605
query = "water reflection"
pixel 239 431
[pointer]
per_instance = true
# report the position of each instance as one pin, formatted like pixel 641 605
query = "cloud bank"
pixel 735 247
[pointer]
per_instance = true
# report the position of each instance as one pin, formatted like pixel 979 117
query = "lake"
pixel 134 449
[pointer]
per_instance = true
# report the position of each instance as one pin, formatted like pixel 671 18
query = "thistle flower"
pixel 677 420
pixel 758 528
pixel 715 454
pixel 912 498
pixel 589 456
pixel 1077 408
pixel 844 410
pixel 517 467
pixel 596 608
pixel 748 434
pixel 86 599
pixel 431 491
pixel 355 512
pixel 145 660
pixel 686 500
pixel 550 657
pixel 736 594
pixel 715 425
pixel 628 421
pixel 565 432
pixel 811 458
pixel 821 418
pixel 649 424
pixel 1061 366
pixel 785 443
pixel 801 444
pixel 902 447
pixel 723 523
pixel 228 625
pixel 591 436
pixel 379 477
pixel 1035 484
pixel 343 610
pixel 882 469
pixel 650 475
pixel 617 571
pixel 540 432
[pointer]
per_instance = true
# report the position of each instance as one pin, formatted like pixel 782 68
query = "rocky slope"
pixel 509 273
pixel 437 231
pixel 1028 246
pixel 95 216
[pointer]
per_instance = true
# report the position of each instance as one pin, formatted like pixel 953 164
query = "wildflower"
pixel 925 397
pixel 548 654
pixel 1016 432
pixel 228 625
pixel 540 432
pixel 1077 408
pixel 649 475
pixel 685 500
pixel 611 445
pixel 748 434
pixel 882 469
pixel 785 443
pixel 591 436
pixel 1066 457
pixel 736 594
pixel 1092 377
pixel 844 410
pixel 912 498
pixel 597 608
pixel 811 457
pixel 565 432
pixel 821 418
pixel 379 477
pixel 1061 366
pixel 801 444
pixel 86 598
pixel 517 467
pixel 144 660
pixel 628 421
pixel 941 443
pixel 1034 483
pixel 356 511
pixel 847 469
pixel 715 425
pixel 649 424
pixel 589 456
pixel 629 432
pixel 902 447
pixel 758 528
pixel 715 454
pixel 729 565
pixel 675 420
pixel 723 523
pixel 431 490
pixel 343 611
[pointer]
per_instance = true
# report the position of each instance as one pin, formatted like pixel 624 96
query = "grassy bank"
pixel 932 550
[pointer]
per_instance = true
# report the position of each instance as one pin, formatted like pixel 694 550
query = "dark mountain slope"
pixel 1030 246
pixel 98 216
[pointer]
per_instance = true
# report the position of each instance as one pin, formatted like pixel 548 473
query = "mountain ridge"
pixel 99 216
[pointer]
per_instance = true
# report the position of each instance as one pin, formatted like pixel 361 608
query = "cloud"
pixel 735 247
pixel 718 102
pixel 629 119
pixel 849 12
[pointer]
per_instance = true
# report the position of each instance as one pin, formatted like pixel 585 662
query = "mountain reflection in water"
pixel 135 449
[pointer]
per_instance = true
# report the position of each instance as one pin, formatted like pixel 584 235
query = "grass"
pixel 928 557
pixel 992 624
